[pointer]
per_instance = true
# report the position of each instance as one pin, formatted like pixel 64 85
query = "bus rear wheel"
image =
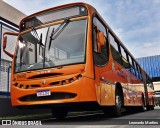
pixel 152 106
pixel 59 113
pixel 142 107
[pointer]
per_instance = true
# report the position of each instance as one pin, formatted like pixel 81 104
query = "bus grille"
pixel 53 96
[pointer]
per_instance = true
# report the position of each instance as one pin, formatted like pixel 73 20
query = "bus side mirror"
pixel 5 42
pixel 101 40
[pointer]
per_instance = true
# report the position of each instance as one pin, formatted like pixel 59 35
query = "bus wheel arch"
pixel 115 110
pixel 120 90
pixel 119 100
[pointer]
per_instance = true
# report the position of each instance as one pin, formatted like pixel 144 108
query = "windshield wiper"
pixel 57 32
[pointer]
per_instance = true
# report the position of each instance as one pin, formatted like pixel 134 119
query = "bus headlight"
pixel 63 82
pixel 21 86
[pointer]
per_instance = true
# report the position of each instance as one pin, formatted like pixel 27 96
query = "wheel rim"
pixel 118 102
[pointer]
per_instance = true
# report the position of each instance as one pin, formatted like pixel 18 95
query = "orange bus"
pixel 67 58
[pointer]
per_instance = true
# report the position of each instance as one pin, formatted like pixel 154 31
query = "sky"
pixel 135 22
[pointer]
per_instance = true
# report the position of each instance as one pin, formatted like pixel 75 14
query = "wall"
pixel 10 13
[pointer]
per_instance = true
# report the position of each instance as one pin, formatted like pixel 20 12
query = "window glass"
pixel 126 65
pixel 139 71
pixel 149 82
pixel 65 47
pixel 113 42
pixel 101 27
pixel 135 67
pixel 115 50
pixel 123 53
pixel 100 58
pixel 130 60
pixel 133 63
pixel 132 67
pixel 116 55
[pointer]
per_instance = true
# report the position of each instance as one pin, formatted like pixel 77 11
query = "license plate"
pixel 43 93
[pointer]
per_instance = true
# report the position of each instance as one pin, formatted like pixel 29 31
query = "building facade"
pixel 9 20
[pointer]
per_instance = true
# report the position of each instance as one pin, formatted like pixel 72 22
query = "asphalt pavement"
pixel 144 119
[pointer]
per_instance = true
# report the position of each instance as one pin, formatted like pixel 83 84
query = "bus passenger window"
pixel 137 72
pixel 115 50
pixel 126 65
pixel 123 52
pixel 140 73
pixel 129 59
pixel 113 42
pixel 132 66
pixel 125 61
pixel 100 57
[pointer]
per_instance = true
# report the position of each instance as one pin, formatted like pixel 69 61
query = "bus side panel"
pixel 107 94
pixel 98 93
pixel 88 91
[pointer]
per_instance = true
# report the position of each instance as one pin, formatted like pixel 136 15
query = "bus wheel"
pixel 59 113
pixel 152 106
pixel 118 104
pixel 117 109
pixel 142 107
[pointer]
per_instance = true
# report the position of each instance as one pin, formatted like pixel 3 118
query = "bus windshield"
pixel 39 48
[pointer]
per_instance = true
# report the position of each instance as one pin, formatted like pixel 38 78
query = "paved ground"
pixel 97 120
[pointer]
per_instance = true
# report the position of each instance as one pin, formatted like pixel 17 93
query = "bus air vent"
pixel 45 75
pixel 35 86
pixel 55 83
pixel 53 96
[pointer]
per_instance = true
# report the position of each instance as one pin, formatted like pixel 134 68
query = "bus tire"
pixel 59 113
pixel 142 107
pixel 115 110
pixel 152 106
pixel 118 103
